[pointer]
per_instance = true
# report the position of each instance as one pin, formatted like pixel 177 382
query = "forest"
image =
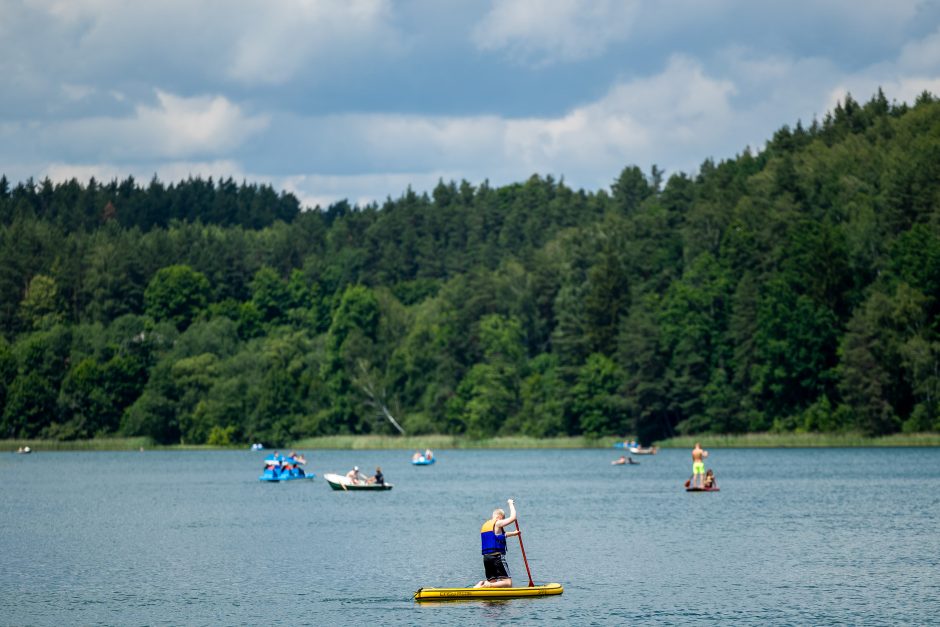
pixel 791 289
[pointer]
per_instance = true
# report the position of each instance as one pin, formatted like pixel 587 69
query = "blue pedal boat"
pixel 281 468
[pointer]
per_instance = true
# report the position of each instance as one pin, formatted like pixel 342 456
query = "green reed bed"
pixel 106 444
pixel 439 442
pixel 99 444
pixel 434 442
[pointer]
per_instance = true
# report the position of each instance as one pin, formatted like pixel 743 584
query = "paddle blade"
pixel 688 482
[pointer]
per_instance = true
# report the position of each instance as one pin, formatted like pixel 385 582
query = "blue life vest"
pixel 490 540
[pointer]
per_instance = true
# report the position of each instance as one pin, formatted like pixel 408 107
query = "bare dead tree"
pixel 375 399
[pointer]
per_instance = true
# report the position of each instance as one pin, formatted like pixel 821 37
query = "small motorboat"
pixel 423 461
pixel 280 468
pixel 340 482
pixel 465 594
pixel 639 450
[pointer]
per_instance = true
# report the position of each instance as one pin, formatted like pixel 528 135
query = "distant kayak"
pixel 715 489
pixel 339 482
pixel 423 461
pixel 458 594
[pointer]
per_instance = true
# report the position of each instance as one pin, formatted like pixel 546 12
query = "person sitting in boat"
pixel 710 482
pixel 493 536
pixel 298 459
pixel 378 478
pixel 355 476
pixel 428 455
pixel 416 456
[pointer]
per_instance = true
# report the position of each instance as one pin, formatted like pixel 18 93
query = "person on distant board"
pixel 493 536
pixel 710 482
pixel 698 465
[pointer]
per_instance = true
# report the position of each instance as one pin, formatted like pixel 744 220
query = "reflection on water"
pixel 794 536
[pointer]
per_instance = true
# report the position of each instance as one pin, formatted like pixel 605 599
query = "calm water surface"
pixel 839 536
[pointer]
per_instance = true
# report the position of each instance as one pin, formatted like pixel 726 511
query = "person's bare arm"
pixel 511 518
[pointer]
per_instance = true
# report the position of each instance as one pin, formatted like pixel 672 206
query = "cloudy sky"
pixel 358 99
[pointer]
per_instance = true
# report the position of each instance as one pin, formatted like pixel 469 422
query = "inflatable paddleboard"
pixel 463 594
pixel 702 489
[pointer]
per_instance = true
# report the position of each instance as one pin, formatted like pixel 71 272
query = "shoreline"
pixel 445 442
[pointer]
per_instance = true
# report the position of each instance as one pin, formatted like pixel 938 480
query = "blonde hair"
pixel 500 512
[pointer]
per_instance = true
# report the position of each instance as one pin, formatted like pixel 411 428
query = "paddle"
pixel 688 481
pixel 524 560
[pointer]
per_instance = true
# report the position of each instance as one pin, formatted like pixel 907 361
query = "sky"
pixel 360 99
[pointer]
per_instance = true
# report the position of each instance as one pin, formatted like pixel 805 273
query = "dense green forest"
pixel 794 289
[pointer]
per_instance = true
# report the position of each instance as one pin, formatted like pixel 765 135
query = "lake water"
pixel 837 536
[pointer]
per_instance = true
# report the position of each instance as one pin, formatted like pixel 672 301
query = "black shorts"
pixel 496 567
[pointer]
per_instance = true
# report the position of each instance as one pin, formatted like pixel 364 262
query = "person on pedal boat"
pixel 493 536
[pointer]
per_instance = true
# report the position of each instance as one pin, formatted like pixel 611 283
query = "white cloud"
pixel 175 127
pixel 543 32
pixel 915 70
pixel 682 110
pixel 641 121
pixel 300 35
pixel 921 55
pixel 249 42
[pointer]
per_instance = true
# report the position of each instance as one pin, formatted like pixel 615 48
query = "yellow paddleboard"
pixel 459 594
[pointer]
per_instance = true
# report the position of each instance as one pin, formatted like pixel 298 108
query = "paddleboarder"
pixel 493 536
pixel 698 465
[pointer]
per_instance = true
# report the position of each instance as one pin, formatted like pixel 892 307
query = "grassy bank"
pixel 441 442
pixel 421 442
pixel 100 444
pixel 802 440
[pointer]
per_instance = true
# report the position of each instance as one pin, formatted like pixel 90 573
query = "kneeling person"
pixel 493 539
